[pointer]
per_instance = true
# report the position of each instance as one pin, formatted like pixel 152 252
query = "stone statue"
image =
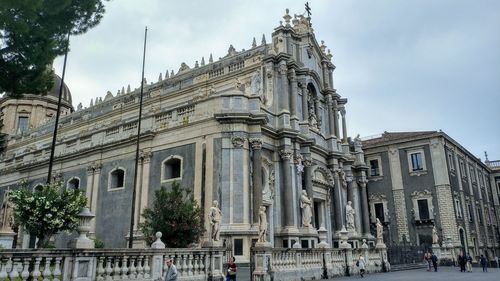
pixel 6 214
pixel 380 230
pixel 435 236
pixel 349 216
pixel 305 205
pixel 215 216
pixel 262 225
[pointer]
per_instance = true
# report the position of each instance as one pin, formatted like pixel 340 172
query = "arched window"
pixel 116 178
pixel 172 168
pixel 73 183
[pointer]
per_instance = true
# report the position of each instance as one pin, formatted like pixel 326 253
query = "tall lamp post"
pixel 132 215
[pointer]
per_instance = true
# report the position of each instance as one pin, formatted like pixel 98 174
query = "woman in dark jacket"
pixel 231 269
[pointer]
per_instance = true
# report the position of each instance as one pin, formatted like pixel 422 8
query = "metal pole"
pixel 131 235
pixel 54 136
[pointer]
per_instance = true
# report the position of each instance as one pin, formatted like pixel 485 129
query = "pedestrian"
pixel 361 265
pixel 462 261
pixel 171 271
pixel 484 263
pixel 427 259
pixel 469 262
pixel 434 259
pixel 231 270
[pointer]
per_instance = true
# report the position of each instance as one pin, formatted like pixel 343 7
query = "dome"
pixel 66 94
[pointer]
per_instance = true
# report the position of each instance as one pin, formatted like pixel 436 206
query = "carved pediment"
pixel 377 197
pixel 322 176
pixel 419 194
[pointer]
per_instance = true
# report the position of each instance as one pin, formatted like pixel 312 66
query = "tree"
pixel 33 33
pixel 176 215
pixel 47 210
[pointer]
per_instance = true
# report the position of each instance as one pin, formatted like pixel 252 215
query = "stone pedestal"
pixel 343 239
pixel 262 259
pixel 7 238
pixel 322 237
pixel 82 241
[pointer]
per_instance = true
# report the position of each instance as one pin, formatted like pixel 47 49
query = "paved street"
pixel 444 273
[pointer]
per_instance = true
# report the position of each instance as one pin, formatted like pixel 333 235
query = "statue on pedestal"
pixel 215 216
pixel 262 225
pixel 380 231
pixel 435 236
pixel 6 215
pixel 349 216
pixel 305 205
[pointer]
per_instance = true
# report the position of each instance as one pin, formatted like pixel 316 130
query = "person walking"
pixel 434 260
pixel 231 270
pixel 484 263
pixel 427 259
pixel 361 265
pixel 462 261
pixel 469 262
pixel 171 271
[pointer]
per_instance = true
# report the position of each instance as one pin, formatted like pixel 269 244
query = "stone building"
pixel 418 180
pixel 256 127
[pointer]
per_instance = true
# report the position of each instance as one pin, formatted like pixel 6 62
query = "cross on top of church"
pixel 308 10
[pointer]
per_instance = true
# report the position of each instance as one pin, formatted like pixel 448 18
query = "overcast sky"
pixel 403 65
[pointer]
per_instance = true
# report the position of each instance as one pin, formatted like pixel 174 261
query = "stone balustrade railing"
pixel 110 264
pixel 313 264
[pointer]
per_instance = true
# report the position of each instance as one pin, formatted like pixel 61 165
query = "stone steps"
pixel 410 266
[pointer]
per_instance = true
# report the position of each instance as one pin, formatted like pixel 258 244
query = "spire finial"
pixel 263 39
pixel 254 43
pixel 202 61
pixel 160 77
pixel 166 74
pixel 210 59
pixel 486 156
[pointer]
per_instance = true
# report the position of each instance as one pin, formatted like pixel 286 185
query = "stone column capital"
pixel 342 111
pixel 291 75
pixel 307 162
pixel 256 143
pixel 286 154
pixel 283 69
pixel 238 141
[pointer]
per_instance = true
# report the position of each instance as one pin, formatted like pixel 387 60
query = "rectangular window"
pixel 374 168
pixel 462 169
pixel 472 174
pixel 450 161
pixel 457 207
pixel 379 211
pixel 23 123
pixel 480 215
pixel 416 161
pixel 238 247
pixel 423 209
pixel 471 213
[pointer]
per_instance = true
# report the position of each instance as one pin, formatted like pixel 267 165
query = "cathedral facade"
pixel 258 127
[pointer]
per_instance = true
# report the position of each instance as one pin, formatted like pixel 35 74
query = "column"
pixel 364 207
pixel 331 123
pixel 138 188
pixel 305 110
pixel 344 126
pixel 325 74
pixel 88 194
pixel 287 190
pixel 285 100
pixel 336 118
pixel 308 182
pixel 294 95
pixel 95 189
pixel 144 191
pixel 256 178
pixel 339 222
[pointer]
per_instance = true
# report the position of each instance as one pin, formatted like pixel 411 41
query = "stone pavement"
pixel 444 273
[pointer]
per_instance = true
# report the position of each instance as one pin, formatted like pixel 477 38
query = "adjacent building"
pixel 421 180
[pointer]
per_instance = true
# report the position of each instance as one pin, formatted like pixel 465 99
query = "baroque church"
pixel 258 127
